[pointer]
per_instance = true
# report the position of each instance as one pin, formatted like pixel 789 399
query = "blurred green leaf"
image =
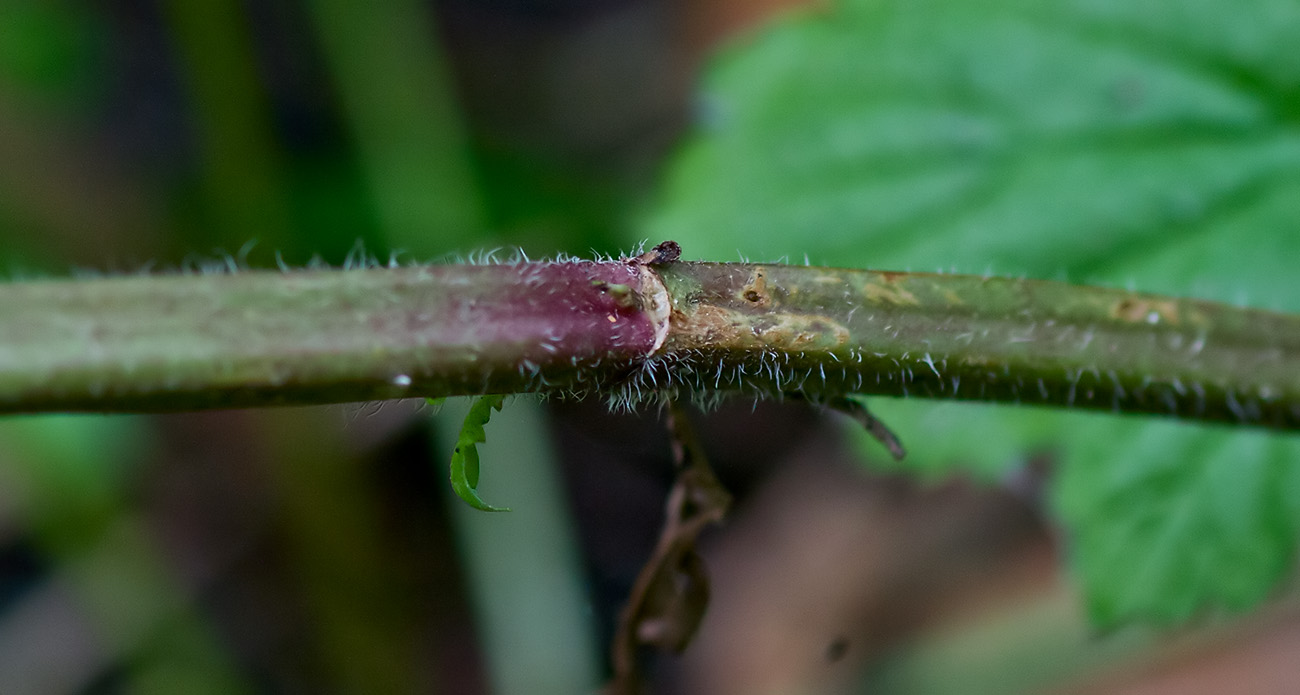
pixel 1105 141
pixel 71 472
pixel 464 460
pixel 48 48
pixel 1177 519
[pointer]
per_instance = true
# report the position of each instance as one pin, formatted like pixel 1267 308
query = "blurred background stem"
pixel 524 569
pixel 521 570
pixel 242 171
pixel 391 77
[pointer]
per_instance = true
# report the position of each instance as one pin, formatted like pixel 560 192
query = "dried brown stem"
pixel 671 592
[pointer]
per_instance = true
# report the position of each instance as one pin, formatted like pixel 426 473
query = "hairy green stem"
pixel 191 342
pixel 263 338
pixel 831 331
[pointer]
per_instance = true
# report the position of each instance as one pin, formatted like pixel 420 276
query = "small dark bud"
pixel 665 252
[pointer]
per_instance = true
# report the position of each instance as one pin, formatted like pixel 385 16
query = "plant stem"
pixel 252 339
pixel 825 331
pixel 261 338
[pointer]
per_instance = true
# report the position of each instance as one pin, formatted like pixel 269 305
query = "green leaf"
pixel 464 460
pixel 1184 519
pixel 1155 145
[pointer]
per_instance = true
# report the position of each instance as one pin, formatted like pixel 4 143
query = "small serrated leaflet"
pixel 465 461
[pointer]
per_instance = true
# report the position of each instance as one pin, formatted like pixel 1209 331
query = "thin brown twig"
pixel 669 597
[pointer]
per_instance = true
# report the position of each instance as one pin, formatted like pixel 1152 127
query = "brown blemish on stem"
pixel 1144 310
pixel 755 291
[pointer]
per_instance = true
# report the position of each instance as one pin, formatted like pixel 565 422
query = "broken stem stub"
pixel 856 408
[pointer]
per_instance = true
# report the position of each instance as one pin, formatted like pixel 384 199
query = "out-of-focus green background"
pixel 315 550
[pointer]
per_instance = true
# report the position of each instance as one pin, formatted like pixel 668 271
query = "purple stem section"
pixel 188 342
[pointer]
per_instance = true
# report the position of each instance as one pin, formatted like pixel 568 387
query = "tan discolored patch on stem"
pixel 883 289
pixel 1146 310
pixel 708 325
pixel 790 331
pixel 705 325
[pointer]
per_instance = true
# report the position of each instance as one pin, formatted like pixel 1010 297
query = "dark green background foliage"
pixel 1124 142
pixel 1142 144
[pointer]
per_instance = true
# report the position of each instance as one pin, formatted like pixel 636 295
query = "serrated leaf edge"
pixel 464 458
